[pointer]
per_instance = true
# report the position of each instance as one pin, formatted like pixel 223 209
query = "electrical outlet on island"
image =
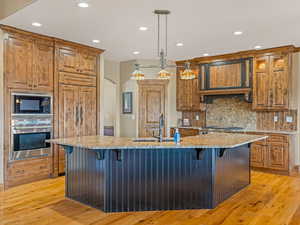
pixel 275 119
pixel 197 117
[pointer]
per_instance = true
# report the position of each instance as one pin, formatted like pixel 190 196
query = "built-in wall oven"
pixel 31 125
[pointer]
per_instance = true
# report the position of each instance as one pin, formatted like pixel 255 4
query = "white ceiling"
pixel 204 26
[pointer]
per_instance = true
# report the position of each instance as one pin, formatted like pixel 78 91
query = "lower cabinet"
pixel 24 171
pixel 77 115
pixel 185 132
pixel 272 153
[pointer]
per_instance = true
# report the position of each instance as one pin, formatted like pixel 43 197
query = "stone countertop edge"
pixel 186 143
pixel 241 131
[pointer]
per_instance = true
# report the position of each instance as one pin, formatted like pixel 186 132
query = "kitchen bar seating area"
pixel 149 112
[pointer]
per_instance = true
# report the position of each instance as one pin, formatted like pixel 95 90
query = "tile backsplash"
pixel 230 112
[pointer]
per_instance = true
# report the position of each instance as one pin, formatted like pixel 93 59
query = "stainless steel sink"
pixel 151 139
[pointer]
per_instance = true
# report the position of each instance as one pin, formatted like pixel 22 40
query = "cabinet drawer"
pixel 77 79
pixel 25 171
pixel 278 138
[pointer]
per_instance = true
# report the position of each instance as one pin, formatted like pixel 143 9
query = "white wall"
pixel 1 110
pixel 112 95
pixel 129 122
pixel 295 103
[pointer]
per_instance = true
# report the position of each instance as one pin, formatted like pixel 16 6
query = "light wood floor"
pixel 270 199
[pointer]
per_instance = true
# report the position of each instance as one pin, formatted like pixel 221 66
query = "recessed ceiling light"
pixel 205 54
pixel 36 24
pixel 96 41
pixel 136 52
pixel 83 4
pixel 238 32
pixel 179 44
pixel 143 28
pixel 257 47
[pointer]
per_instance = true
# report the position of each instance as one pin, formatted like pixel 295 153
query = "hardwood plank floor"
pixel 270 200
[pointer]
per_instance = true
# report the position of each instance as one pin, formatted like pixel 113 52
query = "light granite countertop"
pixel 242 130
pixel 211 140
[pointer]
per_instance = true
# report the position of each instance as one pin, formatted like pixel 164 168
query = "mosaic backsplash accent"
pixel 230 112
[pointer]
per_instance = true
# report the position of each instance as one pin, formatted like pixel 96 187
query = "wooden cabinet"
pixel 77 114
pixel 18 61
pixel 277 156
pixel 258 153
pixel 24 171
pixel 87 111
pixel 272 153
pixel 29 63
pixel 75 60
pixel 270 82
pixel 185 132
pixel 43 62
pixel 187 96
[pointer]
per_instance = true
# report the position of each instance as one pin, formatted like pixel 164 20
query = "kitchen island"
pixel 122 174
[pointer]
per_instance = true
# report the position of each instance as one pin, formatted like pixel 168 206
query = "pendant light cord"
pixel 166 35
pixel 158 34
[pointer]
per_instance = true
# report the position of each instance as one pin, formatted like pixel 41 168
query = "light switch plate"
pixel 275 118
pixel 197 117
pixel 133 117
pixel 289 119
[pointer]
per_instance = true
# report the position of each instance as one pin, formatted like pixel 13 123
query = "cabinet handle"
pixel 81 115
pixel 77 116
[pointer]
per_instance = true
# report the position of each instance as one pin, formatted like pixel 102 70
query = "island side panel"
pixel 85 176
pixel 231 172
pixel 158 179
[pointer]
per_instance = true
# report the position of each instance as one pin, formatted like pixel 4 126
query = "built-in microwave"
pixel 31 103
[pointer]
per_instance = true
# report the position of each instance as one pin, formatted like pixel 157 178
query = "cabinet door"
pixel 277 158
pixel 261 83
pixel 279 82
pixel 181 92
pixel 68 59
pixel 68 117
pixel 187 96
pixel 258 155
pixel 43 66
pixel 88 111
pixel 88 63
pixel 18 63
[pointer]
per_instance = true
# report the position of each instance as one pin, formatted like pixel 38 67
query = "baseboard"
pixel 265 170
pixel 295 171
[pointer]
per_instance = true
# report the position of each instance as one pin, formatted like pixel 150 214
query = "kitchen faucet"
pixel 161 126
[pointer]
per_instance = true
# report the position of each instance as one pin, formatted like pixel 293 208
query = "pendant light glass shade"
pixel 163 75
pixel 137 75
pixel 187 74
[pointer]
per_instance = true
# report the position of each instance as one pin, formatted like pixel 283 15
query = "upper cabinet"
pixel 226 77
pixel 43 65
pixel 187 97
pixel 75 60
pixel 270 82
pixel 18 61
pixel 28 62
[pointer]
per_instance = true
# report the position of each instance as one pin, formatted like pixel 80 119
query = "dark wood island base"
pixel 141 179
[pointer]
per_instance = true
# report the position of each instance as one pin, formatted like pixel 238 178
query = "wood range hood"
pixel 226 78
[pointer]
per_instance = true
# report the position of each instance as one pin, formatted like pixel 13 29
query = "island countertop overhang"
pixel 211 140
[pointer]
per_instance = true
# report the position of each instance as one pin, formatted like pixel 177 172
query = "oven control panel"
pixel 27 122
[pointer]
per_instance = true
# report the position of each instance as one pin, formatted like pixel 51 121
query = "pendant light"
pixel 137 73
pixel 187 74
pixel 162 50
